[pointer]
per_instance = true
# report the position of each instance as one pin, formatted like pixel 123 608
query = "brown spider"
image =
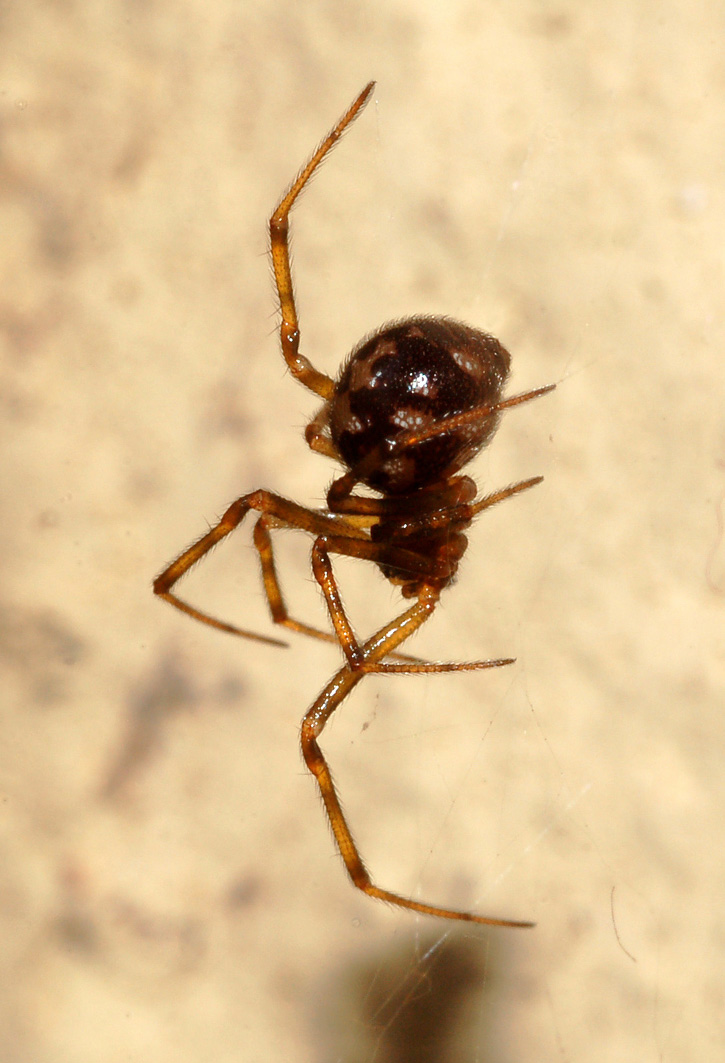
pixel 411 406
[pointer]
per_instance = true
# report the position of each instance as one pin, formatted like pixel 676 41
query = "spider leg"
pixel 452 500
pixel 451 514
pixel 356 658
pixel 284 513
pixel 390 447
pixel 373 650
pixel 461 420
pixel 505 492
pixel 317 439
pixel 299 366
pixel 275 598
pixel 275 510
pixel 164 582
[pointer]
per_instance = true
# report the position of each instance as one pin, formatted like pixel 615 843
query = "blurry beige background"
pixel 168 887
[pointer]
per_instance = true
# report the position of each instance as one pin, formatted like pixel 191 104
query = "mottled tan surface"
pixel 553 173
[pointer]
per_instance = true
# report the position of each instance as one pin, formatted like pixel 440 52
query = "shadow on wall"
pixel 423 1001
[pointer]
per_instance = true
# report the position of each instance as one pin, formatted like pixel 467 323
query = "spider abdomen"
pixel 405 378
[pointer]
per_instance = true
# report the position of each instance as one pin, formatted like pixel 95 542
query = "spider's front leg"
pixel 361 659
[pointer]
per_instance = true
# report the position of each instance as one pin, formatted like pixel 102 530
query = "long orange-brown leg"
pixel 284 513
pixel 299 366
pixel 354 652
pixel 273 590
pixel 275 598
pixel 451 509
pixel 372 651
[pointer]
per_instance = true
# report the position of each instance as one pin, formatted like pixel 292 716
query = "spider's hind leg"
pixel 280 614
pixel 357 658
pixel 382 644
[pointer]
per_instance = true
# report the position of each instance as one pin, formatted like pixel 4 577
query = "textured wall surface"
pixel 168 889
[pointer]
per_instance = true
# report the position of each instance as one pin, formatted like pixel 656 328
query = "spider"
pixel 413 403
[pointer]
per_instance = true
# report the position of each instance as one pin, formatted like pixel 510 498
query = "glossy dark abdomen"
pixel 403 379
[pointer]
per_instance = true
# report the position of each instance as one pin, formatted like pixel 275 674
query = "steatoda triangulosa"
pixel 412 404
